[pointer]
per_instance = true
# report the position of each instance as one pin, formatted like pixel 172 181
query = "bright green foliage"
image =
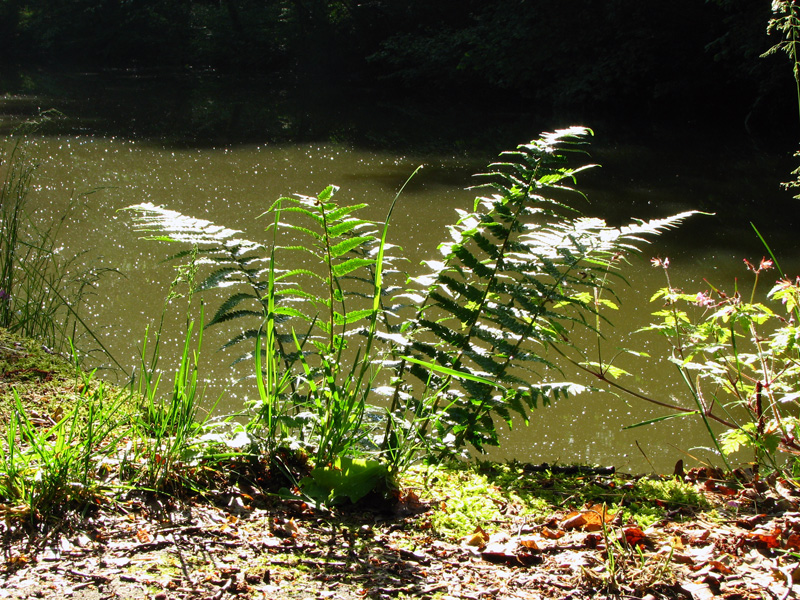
pixel 350 478
pixel 515 280
pixel 43 468
pixel 167 434
pixel 492 496
pixel 461 345
pixel 741 362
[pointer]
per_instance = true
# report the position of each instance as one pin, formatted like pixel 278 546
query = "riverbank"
pixel 223 529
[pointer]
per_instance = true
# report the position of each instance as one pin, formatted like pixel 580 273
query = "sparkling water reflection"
pixel 233 184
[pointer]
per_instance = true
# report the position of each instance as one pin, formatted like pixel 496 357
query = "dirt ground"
pixel 236 545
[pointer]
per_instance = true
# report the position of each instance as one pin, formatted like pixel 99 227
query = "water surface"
pixel 225 152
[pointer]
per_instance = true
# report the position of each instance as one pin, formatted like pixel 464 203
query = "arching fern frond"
pixel 509 284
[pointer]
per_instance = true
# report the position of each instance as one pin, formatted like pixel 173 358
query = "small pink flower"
pixel 659 262
pixel 764 265
pixel 703 299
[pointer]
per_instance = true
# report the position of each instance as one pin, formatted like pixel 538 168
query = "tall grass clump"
pixel 367 367
pixel 44 469
pixel 41 289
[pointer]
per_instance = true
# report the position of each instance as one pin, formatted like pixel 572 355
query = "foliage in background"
pixel 786 21
pixel 596 52
pixel 448 351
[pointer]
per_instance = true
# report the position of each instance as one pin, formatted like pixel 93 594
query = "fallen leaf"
pixel 695 536
pixel 698 591
pixel 768 540
pixel 590 519
pixel 634 536
pixel 529 542
pixel 573 520
pixel 793 542
pixel 720 567
pixel 751 521
pixel 476 539
pixel 552 534
pixel 144 536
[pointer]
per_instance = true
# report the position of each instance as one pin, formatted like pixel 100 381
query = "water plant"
pixel 357 359
pixel 738 360
pixel 736 356
pixel 41 290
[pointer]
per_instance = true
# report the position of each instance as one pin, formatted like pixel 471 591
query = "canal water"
pixel 224 151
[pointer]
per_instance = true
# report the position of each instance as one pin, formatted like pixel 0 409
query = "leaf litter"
pixel 239 542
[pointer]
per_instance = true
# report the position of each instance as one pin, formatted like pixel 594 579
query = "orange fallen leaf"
pixel 793 542
pixel 573 520
pixel 770 540
pixel 144 536
pixel 551 534
pixel 634 536
pixel 590 519
pixel 720 567
pixel 529 543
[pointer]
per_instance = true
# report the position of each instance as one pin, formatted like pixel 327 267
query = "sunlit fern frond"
pixel 508 285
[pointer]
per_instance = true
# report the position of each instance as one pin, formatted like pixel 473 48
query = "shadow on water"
pixel 190 109
pixel 712 167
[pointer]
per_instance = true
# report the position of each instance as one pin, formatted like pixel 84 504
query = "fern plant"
pixel 355 357
pixel 517 277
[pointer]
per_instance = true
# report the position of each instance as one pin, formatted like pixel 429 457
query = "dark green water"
pixel 223 151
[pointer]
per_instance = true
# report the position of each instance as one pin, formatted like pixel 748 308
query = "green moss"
pixel 48 385
pixel 466 499
pixel 491 495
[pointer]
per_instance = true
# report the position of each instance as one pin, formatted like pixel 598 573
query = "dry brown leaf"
pixel 590 519
pixel 551 534
pixel 716 565
pixel 695 536
pixel 529 542
pixel 144 536
pixel 768 540
pixel 573 520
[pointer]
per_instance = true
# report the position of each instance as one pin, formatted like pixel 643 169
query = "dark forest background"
pixel 682 56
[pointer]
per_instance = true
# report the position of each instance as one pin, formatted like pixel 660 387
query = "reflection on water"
pixel 227 155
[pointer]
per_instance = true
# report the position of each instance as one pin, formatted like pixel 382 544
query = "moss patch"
pixel 491 496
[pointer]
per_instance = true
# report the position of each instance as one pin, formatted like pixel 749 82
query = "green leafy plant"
pixel 739 361
pixel 356 359
pixel 513 284
pixel 45 467
pixel 786 23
